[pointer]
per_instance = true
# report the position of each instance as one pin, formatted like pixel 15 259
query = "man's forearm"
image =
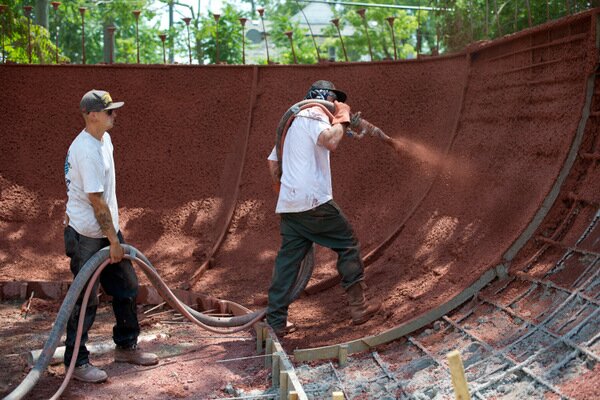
pixel 104 218
pixel 331 137
pixel 275 171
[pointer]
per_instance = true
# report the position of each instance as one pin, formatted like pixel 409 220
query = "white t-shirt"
pixel 306 174
pixel 90 168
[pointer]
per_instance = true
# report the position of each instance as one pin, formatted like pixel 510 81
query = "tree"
pixel 16 41
pixel 230 37
pixel 408 24
pixel 99 15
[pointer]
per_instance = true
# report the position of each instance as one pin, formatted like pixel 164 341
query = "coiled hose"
pixel 88 275
pixel 288 117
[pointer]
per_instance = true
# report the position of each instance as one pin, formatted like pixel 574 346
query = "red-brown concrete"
pixel 484 141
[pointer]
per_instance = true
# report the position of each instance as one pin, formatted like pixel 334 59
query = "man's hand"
pixel 341 114
pixel 116 252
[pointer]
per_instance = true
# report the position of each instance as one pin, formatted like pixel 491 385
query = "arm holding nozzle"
pixel 359 127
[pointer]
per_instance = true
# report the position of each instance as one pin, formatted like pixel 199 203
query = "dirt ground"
pixel 192 361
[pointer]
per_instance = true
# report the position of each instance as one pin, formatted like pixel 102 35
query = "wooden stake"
pixel 269 352
pixel 343 355
pixel 458 376
pixel 283 384
pixel 337 396
pixel 293 395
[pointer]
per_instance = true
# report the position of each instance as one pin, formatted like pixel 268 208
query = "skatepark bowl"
pixel 479 233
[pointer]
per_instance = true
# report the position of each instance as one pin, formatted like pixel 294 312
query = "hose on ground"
pixel 90 272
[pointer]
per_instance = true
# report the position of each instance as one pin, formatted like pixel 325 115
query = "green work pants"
pixel 324 225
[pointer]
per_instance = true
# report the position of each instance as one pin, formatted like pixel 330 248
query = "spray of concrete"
pixel 403 146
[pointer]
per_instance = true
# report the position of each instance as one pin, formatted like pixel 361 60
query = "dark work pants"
pixel 324 225
pixel 118 280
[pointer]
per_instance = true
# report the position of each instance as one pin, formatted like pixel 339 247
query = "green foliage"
pixel 303 44
pixel 461 22
pixel 16 37
pixel 100 14
pixel 379 33
pixel 230 37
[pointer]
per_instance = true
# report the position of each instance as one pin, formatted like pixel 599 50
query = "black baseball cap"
pixel 98 100
pixel 341 96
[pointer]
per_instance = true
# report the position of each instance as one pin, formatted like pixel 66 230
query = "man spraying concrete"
pixel 307 210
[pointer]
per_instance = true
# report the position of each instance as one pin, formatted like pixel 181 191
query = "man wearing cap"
pixel 307 210
pixel 92 223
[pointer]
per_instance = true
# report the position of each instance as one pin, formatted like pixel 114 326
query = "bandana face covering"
pixel 319 94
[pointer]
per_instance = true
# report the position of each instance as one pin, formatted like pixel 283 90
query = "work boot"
pixel 359 310
pixel 289 327
pixel 133 355
pixel 89 373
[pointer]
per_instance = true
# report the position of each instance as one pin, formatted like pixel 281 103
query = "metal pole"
pixel 28 14
pixel 311 32
pixel 3 8
pixel 163 37
pixel 243 23
pixel 289 34
pixel 187 23
pixel 471 19
pixel 261 11
pixel 515 25
pixel 336 22
pixel 362 12
pixel 55 5
pixel 487 13
pixel 111 34
pixel 216 17
pixel 497 17
pixel 82 12
pixel 390 21
pixel 419 38
pixel 137 13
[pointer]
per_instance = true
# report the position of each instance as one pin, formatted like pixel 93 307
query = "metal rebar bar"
pixel 217 17
pixel 336 23
pixel 528 12
pixel 497 17
pixel 137 13
pixel 55 5
pixel 82 12
pixel 261 12
pixel 3 8
pixel 290 35
pixel 362 13
pixel 312 35
pixel 187 24
pixel 243 23
pixel 111 34
pixel 390 21
pixel 163 37
pixel 337 376
pixel 27 10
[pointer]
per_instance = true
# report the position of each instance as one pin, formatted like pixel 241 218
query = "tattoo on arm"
pixel 104 220
pixel 102 213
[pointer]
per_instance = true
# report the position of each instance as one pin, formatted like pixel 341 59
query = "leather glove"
pixel 341 114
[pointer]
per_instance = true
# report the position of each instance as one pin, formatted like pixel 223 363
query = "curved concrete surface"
pixel 496 141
